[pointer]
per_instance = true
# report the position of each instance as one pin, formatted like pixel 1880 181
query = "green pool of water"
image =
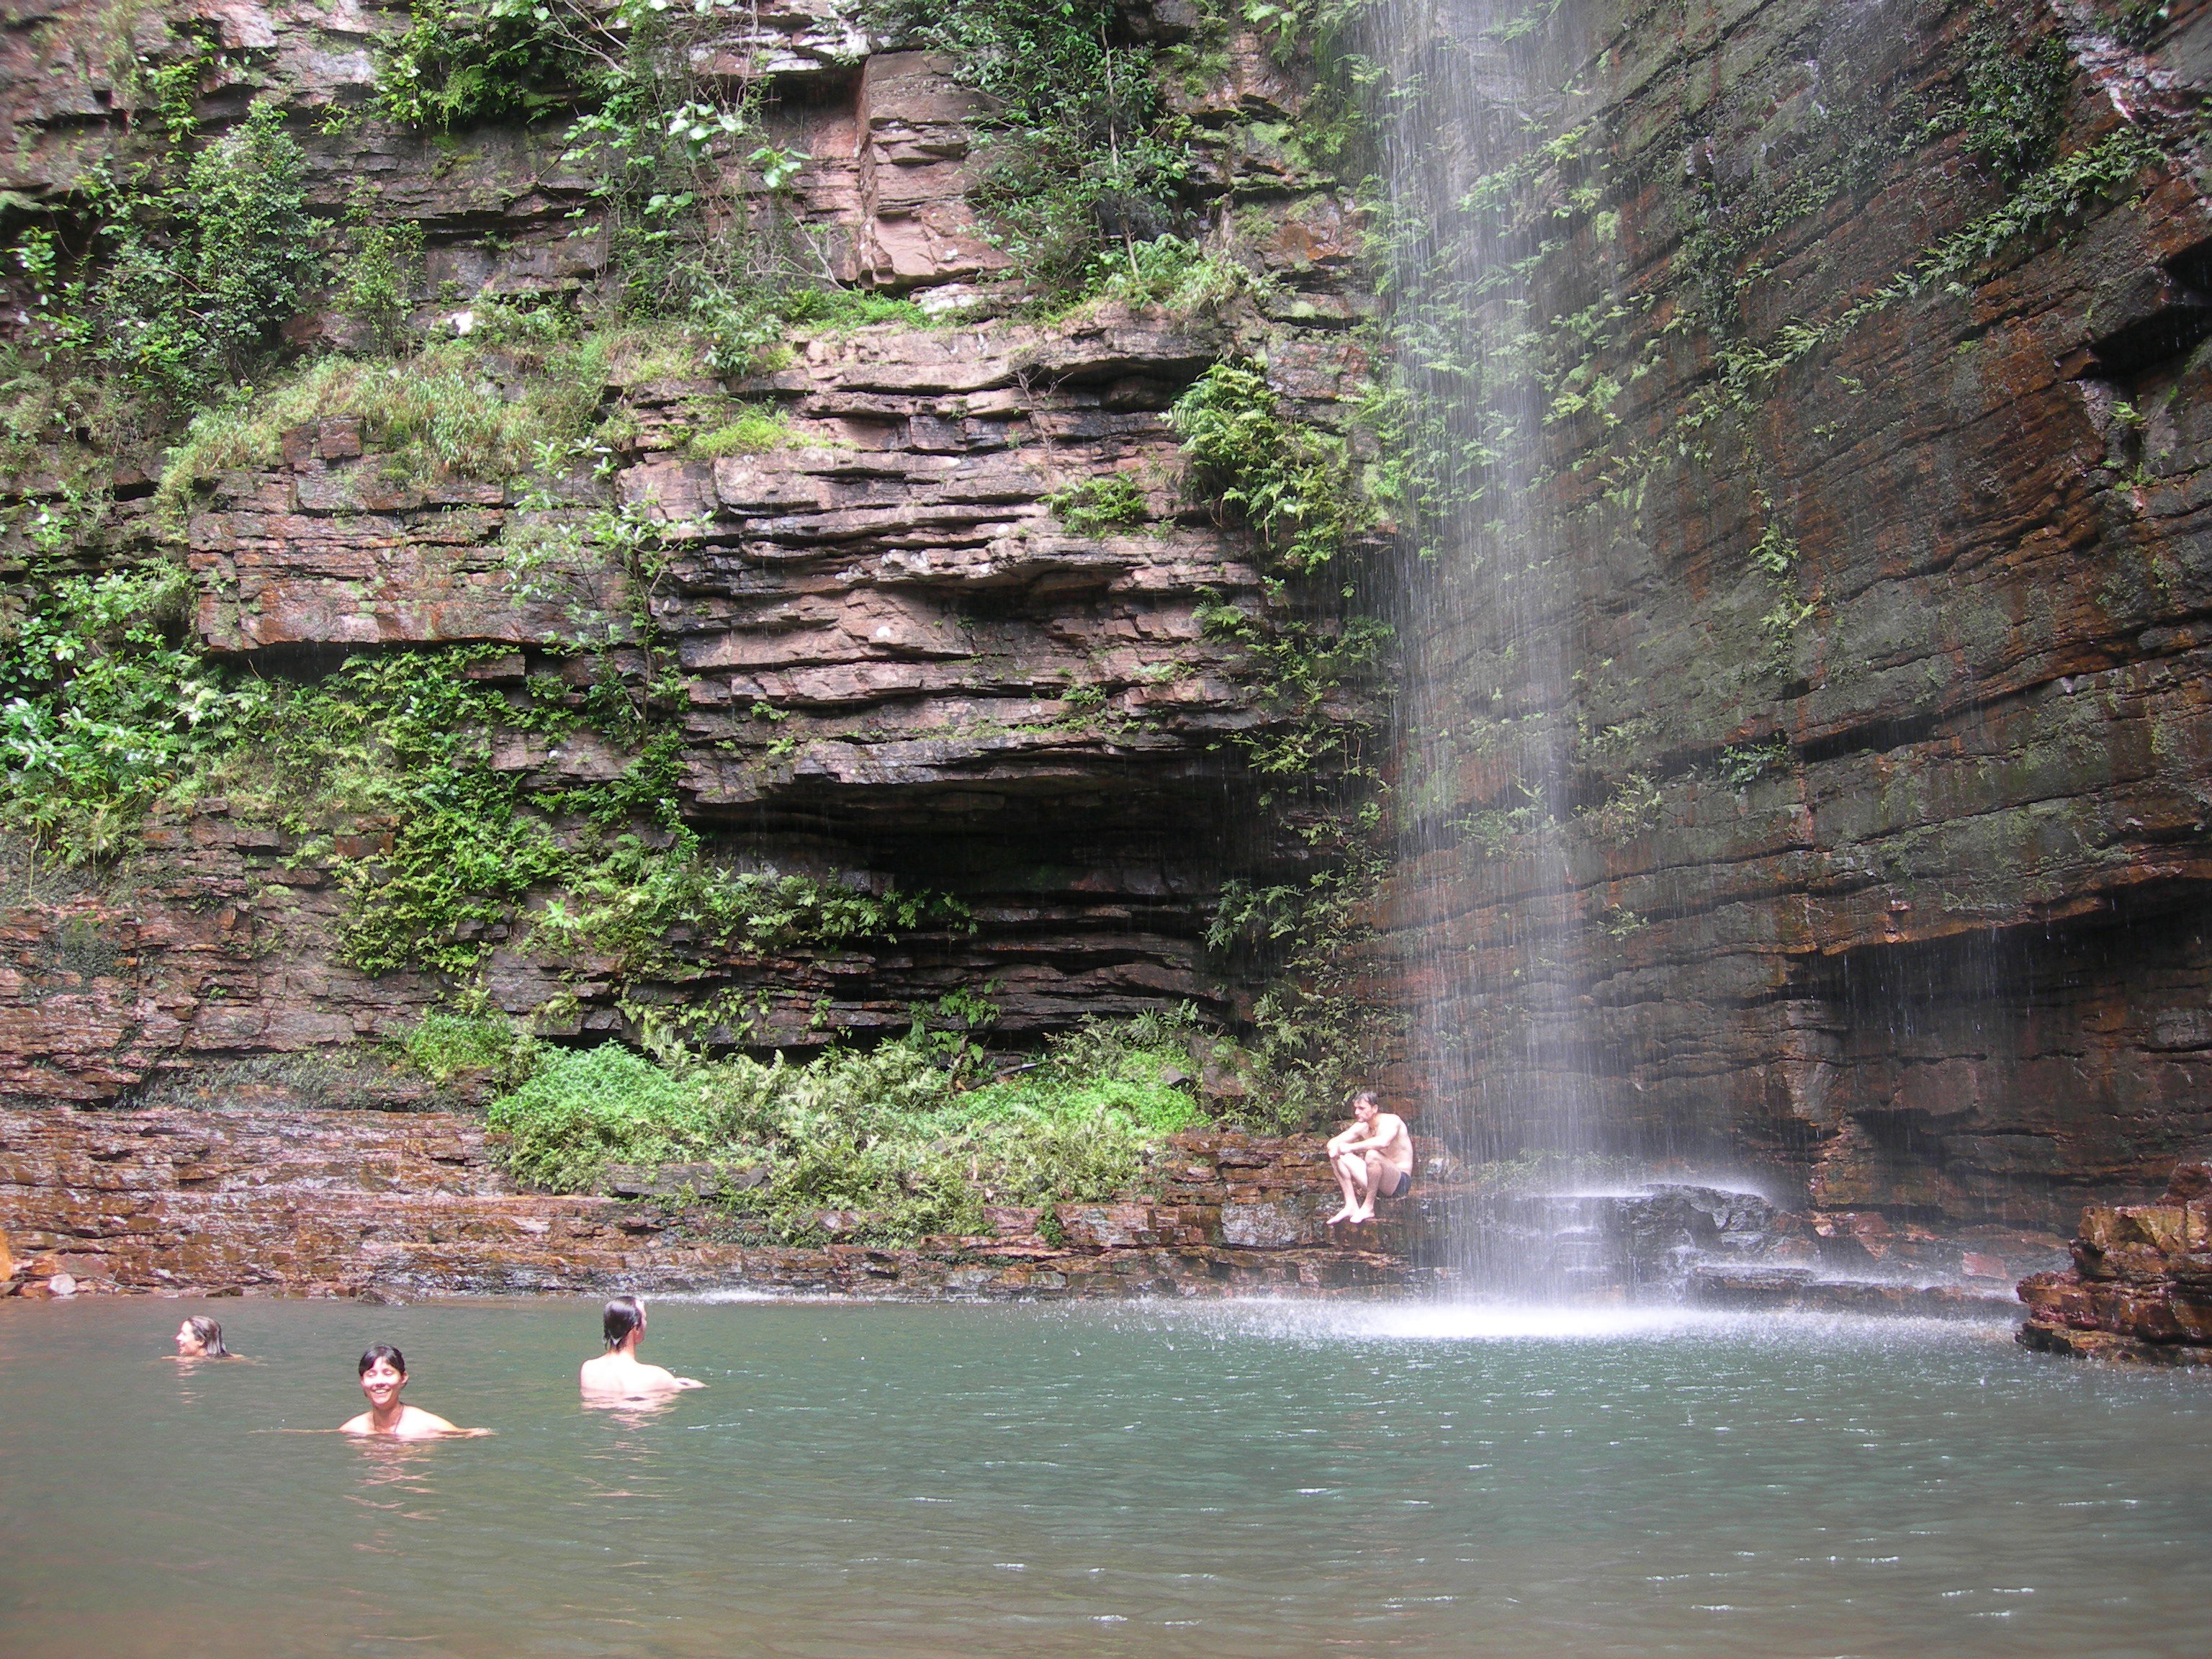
pixel 1261 1480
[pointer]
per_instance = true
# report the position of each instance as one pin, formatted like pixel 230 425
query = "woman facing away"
pixel 619 1374
pixel 383 1372
pixel 201 1338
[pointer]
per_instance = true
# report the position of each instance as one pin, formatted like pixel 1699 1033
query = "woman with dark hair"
pixel 383 1372
pixel 201 1338
pixel 619 1374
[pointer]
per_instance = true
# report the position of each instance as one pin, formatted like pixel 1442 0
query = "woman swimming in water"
pixel 383 1372
pixel 201 1338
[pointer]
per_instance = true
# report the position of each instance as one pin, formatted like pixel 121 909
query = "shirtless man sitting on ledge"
pixel 1373 1159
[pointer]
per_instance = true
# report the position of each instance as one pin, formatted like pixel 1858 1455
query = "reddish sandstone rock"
pixel 2141 1288
pixel 389 1205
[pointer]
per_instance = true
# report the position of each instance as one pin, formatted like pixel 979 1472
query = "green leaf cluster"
pixel 171 291
pixel 1317 1030
pixel 2016 93
pixel 1292 483
pixel 447 1043
pixel 1298 670
pixel 462 65
pixel 1097 505
pixel 105 707
pixel 899 1140
pixel 403 744
pixel 1079 153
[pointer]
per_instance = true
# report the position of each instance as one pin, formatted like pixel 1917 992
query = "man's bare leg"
pixel 1349 1167
pixel 1372 1174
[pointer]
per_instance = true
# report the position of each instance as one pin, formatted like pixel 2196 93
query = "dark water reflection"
pixel 945 1481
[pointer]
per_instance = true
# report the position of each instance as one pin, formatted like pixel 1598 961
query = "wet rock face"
pixel 1903 902
pixel 385 1205
pixel 1889 832
pixel 898 667
pixel 2141 1286
pixel 1643 1246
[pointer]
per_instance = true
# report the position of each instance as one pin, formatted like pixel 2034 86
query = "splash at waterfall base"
pixel 404 1205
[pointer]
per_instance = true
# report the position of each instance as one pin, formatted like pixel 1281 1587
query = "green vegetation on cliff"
pixel 427 780
pixel 1082 164
pixel 162 290
pixel 911 1138
pixel 108 716
pixel 106 706
pixel 1291 482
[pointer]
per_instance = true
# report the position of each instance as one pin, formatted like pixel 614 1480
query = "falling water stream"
pixel 1502 1040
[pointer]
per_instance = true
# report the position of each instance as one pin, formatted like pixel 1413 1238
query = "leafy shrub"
pixel 1298 670
pixel 891 1133
pixel 107 710
pixel 584 1109
pixel 402 741
pixel 1743 764
pixel 1292 484
pixel 190 264
pixel 1097 505
pixel 624 901
pixel 461 66
pixel 445 1044
pixel 376 286
pixel 2016 93
pixel 1081 154
pixel 1317 1030
pixel 1170 272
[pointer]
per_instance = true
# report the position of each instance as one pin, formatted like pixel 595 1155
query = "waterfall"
pixel 1477 133
pixel 1508 799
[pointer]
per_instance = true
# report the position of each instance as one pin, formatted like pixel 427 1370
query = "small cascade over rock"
pixel 1645 1245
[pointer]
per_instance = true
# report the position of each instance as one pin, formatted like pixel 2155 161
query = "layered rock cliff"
pixel 885 656
pixel 1856 359
pixel 1861 370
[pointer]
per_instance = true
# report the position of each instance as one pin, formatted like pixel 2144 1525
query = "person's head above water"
pixel 200 1338
pixel 619 1374
pixel 383 1373
pixel 623 1315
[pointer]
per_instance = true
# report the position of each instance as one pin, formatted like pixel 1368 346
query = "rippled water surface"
pixel 1253 1480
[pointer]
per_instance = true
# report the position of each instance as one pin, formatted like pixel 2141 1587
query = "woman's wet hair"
pixel 209 1335
pixel 381 1350
pixel 624 1314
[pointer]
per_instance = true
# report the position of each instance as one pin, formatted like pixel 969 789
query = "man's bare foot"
pixel 1344 1214
pixel 1365 1212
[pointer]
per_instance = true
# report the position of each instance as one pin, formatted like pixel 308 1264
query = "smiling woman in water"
pixel 201 1338
pixel 383 1372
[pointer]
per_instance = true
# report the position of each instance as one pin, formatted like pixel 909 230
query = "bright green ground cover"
pixel 904 1133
